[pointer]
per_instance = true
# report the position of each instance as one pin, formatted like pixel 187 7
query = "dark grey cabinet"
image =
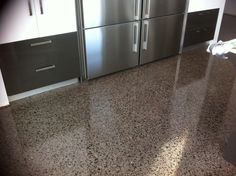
pixel 200 26
pixel 31 64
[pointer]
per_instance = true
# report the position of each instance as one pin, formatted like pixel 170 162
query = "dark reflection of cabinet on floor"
pixel 191 70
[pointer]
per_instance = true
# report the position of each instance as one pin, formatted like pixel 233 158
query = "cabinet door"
pixel 18 21
pixel 156 8
pixel 107 12
pixel 55 16
pixel 112 48
pixel 161 37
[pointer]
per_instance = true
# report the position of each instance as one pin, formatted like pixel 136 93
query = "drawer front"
pixel 199 35
pixel 40 62
pixel 158 8
pixel 208 17
pixel 106 12
pixel 104 56
pixel 161 37
pixel 201 26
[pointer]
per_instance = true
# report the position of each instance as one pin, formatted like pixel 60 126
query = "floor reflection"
pixel 165 118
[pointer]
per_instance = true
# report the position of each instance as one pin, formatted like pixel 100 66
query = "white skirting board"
pixel 200 45
pixel 3 94
pixel 42 89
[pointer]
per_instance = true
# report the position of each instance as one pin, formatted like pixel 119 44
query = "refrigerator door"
pixel 161 37
pixel 156 8
pixel 106 12
pixel 112 48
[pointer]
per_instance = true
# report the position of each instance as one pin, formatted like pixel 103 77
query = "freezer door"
pixel 161 37
pixel 112 48
pixel 106 12
pixel 156 8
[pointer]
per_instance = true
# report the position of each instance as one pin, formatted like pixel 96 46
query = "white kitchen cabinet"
pixel 199 5
pixel 17 22
pixel 55 16
pixel 28 19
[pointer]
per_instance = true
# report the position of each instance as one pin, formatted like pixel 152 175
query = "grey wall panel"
pixel 230 7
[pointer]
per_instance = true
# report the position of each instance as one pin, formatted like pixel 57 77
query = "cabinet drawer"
pixel 107 12
pixel 104 56
pixel 208 17
pixel 162 36
pixel 40 62
pixel 200 26
pixel 159 8
pixel 198 35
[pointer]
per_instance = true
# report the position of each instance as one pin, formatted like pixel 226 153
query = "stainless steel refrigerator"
pixel 111 35
pixel 121 34
pixel 162 24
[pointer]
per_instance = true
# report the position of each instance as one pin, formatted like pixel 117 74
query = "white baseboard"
pixel 42 89
pixel 200 45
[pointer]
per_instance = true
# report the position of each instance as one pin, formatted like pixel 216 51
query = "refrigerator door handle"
pixel 135 38
pixel 145 38
pixel 136 9
pixel 147 9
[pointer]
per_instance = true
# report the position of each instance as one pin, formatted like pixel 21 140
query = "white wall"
pixel 199 5
pixel 3 95
pixel 230 7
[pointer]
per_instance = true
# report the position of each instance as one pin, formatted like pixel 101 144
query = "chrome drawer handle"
pixel 45 68
pixel 41 43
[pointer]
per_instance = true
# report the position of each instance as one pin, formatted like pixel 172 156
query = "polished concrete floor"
pixel 168 118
